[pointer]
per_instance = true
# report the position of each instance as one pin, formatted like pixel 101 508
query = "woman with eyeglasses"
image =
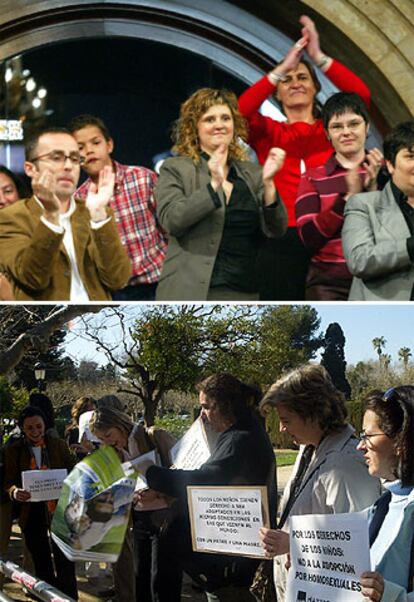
pixel 294 84
pixel 329 475
pixel 388 445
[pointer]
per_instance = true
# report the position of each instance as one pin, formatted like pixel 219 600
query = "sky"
pixel 360 322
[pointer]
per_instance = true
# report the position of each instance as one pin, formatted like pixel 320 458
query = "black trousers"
pixel 146 536
pixel 210 571
pixel 283 265
pixel 51 565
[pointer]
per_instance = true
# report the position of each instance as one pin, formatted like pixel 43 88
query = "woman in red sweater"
pixel 294 84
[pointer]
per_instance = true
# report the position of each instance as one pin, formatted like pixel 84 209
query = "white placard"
pixel 44 485
pixel 192 450
pixel 227 520
pixel 141 482
pixel 328 552
pixel 84 429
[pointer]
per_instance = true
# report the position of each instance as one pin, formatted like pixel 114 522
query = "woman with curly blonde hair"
pixel 216 206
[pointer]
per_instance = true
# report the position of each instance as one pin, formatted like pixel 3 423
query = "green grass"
pixel 285 458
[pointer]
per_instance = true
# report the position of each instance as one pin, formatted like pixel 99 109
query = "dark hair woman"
pixel 387 441
pixel 242 455
pixel 36 450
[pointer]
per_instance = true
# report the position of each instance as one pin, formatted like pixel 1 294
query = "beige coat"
pixel 195 225
pixel 336 481
pixel 35 258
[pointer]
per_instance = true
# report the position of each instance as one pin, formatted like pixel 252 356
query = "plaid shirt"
pixel 133 204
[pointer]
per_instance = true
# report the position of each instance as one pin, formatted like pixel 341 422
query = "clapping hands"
pixel 43 186
pixel 100 194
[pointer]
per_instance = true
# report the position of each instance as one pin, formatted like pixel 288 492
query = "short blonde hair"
pixel 185 134
pixel 310 392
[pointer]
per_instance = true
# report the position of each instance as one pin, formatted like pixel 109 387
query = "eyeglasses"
pixel 364 437
pixel 352 126
pixel 59 157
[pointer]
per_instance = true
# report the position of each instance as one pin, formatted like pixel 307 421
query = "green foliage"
pixel 13 399
pixel 175 424
pixel 356 413
pixel 284 458
pixel 333 358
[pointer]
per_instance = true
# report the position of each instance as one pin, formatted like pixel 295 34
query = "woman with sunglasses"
pixel 388 445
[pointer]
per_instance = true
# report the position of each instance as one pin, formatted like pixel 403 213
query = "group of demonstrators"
pixel 314 206
pixel 335 473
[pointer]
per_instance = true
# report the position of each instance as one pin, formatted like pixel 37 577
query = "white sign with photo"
pixel 328 552
pixel 226 520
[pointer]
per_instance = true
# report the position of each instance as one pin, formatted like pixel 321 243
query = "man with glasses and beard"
pixel 54 246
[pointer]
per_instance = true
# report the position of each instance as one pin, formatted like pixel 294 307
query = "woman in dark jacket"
pixel 33 451
pixel 242 456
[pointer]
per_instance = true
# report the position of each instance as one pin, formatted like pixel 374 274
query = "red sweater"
pixel 300 140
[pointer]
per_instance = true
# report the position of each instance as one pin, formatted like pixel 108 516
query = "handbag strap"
pixel 296 485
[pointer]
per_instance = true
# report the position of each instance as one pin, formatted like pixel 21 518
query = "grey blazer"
pixel 195 225
pixel 374 240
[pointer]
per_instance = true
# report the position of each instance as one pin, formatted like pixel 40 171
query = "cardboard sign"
pixel 192 450
pixel 44 485
pixel 226 520
pixel 329 552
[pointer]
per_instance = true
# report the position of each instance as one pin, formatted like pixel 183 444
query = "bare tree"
pixel 37 337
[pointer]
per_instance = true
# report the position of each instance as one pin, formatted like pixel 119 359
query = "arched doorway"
pixel 133 63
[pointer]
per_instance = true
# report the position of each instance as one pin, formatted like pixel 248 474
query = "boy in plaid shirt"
pixel 133 205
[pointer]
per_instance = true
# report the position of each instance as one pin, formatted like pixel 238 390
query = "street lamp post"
pixel 40 375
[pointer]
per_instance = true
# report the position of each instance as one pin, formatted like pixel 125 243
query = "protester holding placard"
pixel 242 455
pixel 330 475
pixel 115 428
pixel 80 448
pixel 387 441
pixel 36 450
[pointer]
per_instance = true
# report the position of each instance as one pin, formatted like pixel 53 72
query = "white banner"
pixel 328 552
pixel 226 520
pixel 192 450
pixel 44 485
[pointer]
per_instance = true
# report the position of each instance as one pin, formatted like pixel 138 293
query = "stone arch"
pixel 240 42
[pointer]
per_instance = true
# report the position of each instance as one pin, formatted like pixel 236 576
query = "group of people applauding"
pixel 340 216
